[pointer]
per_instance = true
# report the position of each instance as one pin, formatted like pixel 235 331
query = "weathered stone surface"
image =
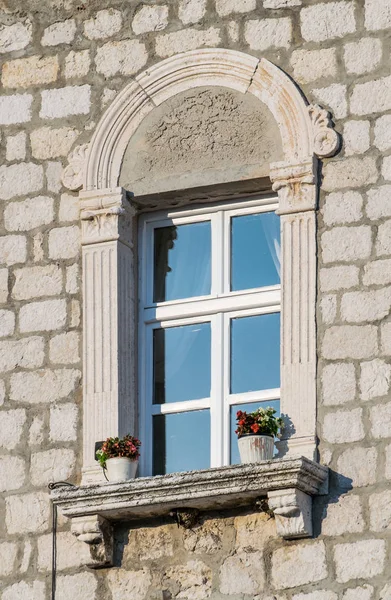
pixel 12 423
pixel 16 147
pixel 32 591
pixel 386 168
pixel 75 313
pixel 380 511
pixel 194 580
pixel 12 249
pixel 64 242
pixel 340 208
pixel 379 204
pixel 328 308
pixel 122 583
pixel 106 23
pixel 253 531
pixel 377 14
pixel 70 552
pixel 27 353
pixel 191 11
pixel 8 551
pixel 63 422
pixel 226 7
pixel 44 385
pixel 77 587
pixel 242 573
pixel 383 132
pixel 29 214
pixel 338 278
pixel 47 142
pixel 268 33
pixel 343 427
pixel 381 420
pixel 281 3
pixel 7 323
pixel 345 244
pixel 64 348
pixel 206 538
pixel 334 98
pixel 69 208
pixel 26 72
pixel 126 57
pixel 362 56
pixel 53 176
pixel 386 338
pixel 350 341
pixel 363 592
pixel 15 37
pixel 59 33
pixel 12 475
pixel 180 41
pixel 150 18
pixel 51 465
pixel 359 560
pixel 352 172
pixel 3 286
pixel 27 513
pixel 63 102
pixel 72 279
pixel 356 137
pixel 338 384
pixel 358 465
pixel 20 179
pixel 43 316
pixel 33 282
pixel 383 240
pixel 309 65
pixel 299 564
pixel 15 109
pixel 149 544
pixel 77 64
pixel 375 379
pixel 371 97
pixel 388 462
pixel 326 21
pixel 316 595
pixel 36 434
pixel 343 515
pixel 366 306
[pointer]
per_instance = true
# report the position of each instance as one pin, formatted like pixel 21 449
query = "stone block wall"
pixel 62 63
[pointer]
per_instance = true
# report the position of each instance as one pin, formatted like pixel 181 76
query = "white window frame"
pixel 218 308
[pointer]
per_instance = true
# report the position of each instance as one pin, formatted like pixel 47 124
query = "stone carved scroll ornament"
pixel 325 139
pixel 73 173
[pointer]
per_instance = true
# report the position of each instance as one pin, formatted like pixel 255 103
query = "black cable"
pixel 52 486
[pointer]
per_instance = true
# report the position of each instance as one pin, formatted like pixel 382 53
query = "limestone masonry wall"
pixel 62 63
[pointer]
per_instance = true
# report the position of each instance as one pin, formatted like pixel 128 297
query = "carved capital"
pixel 97 532
pixel 73 173
pixel 296 185
pixel 326 141
pixel 292 509
pixel 106 216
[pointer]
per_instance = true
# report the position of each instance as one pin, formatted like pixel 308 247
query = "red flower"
pixel 255 428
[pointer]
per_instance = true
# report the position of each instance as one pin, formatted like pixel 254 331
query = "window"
pixel 209 329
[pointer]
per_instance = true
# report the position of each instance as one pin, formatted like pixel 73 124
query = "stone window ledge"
pixel 288 485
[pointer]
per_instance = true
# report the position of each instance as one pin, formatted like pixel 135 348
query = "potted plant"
pixel 256 432
pixel 119 457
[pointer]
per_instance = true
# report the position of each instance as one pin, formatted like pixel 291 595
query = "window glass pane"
pixel 234 454
pixel 181 442
pixel 182 258
pixel 255 353
pixel 181 363
pixel 255 251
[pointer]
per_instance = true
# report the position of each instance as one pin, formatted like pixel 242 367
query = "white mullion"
pixel 178 407
pixel 257 396
pixel 227 253
pixel 217 253
pixel 226 388
pixel 217 396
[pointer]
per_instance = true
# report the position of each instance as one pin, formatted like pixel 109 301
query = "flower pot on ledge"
pixel 121 468
pixel 255 448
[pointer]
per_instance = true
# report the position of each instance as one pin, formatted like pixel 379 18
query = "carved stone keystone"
pixel 292 509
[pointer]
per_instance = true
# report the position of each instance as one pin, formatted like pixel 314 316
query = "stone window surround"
pixel 108 225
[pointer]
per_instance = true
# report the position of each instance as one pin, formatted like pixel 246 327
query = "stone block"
pixel 372 305
pixel 193 579
pixel 233 31
pixel 7 323
pixel 72 279
pixel 12 424
pixel 78 587
pixel 343 515
pixel 383 132
pixel 380 511
pixel 27 72
pixel 357 467
pixel 317 595
pixel 363 56
pixel 23 590
pixel 356 137
pixel 338 278
pixel 106 23
pixel 149 544
pixel 123 583
pixel 69 208
pixel 77 64
pixel 359 560
pixel 2 392
pixel 253 531
pixel 64 348
pixel 352 172
pixel 310 65
pixel 59 33
pixel 386 168
pixel 20 179
pixel 388 462
pixel 43 386
pixel 226 7
pixel 261 34
pixel 328 308
pixel 341 208
pixel 188 39
pixel 15 109
pixel 3 286
pixel 38 249
pixel 383 240
pixel 27 513
pixel 338 384
pixel 33 282
pixel 8 552
pixel 12 249
pixel 371 97
pixel 51 465
pixel 334 98
pixel 36 433
pixel 350 341
pixel 346 244
pixel 75 313
pixel 48 142
pixel 381 419
pixel 125 58
pixel 191 11
pixel 281 3
pixel 343 427
pixel 377 272
pixel 63 422
pixel 298 565
pixel 53 176
pixel 150 18
pixel 64 242
pixel 386 338
pixel 27 353
pixel 327 21
pixel 207 538
pixel 363 592
pixel 12 475
pixel 43 316
pixel 29 214
pixel 71 554
pixel 377 14
pixel 63 102
pixel 16 147
pixel 379 202
pixel 242 573
pixel 15 37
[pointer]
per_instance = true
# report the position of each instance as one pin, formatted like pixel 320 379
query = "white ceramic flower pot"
pixel 121 468
pixel 254 448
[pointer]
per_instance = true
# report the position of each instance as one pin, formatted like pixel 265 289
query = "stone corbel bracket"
pixel 289 485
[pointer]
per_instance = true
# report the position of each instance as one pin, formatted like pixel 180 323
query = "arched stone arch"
pixel 109 396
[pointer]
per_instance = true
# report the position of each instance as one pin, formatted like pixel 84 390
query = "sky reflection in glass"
pixel 234 454
pixel 255 353
pixel 255 251
pixel 181 363
pixel 181 442
pixel 182 259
